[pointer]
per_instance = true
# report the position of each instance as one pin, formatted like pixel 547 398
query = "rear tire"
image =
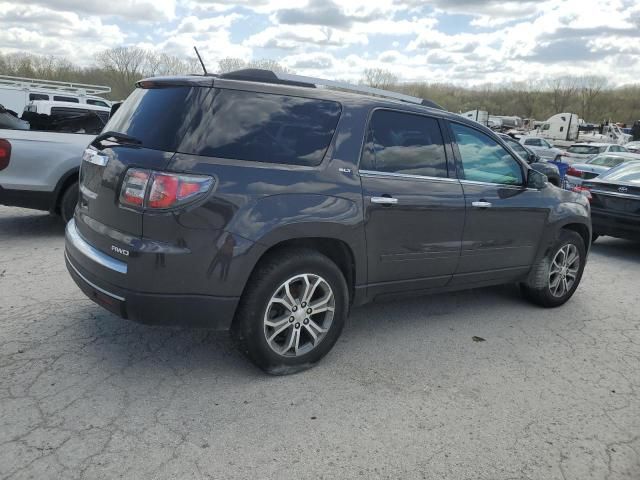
pixel 555 278
pixel 68 202
pixel 276 326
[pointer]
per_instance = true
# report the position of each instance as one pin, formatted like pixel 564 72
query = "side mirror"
pixel 532 158
pixel 536 179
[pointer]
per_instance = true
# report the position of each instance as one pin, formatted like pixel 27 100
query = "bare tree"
pixel 590 87
pixel 229 64
pixel 527 95
pixel 562 89
pixel 379 78
pixel 125 66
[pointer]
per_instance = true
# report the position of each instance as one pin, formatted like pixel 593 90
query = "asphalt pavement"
pixel 468 385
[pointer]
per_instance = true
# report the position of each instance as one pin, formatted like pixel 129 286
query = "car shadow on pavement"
pixel 161 351
pixel 617 248
pixel 30 223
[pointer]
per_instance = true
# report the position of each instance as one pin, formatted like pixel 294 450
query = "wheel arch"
pixel 337 250
pixel 582 230
pixel 64 182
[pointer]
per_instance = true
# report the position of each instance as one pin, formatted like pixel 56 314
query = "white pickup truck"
pixel 40 153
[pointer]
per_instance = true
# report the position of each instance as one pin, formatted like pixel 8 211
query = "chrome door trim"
pixel 375 173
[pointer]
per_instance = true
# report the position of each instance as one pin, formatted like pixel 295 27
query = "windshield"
pixel 629 173
pixel 585 149
pixel 606 161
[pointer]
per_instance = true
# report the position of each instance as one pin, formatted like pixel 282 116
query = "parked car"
pixel 542 147
pixel 532 158
pixel 633 147
pixel 615 201
pixel 269 207
pixel 42 154
pixel 579 172
pixel 579 152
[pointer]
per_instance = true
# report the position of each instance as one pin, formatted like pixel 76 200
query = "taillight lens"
pixel 134 187
pixel 585 191
pixel 573 172
pixel 5 153
pixel 166 190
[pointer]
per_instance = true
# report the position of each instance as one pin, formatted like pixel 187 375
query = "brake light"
pixel 574 172
pixel 584 191
pixel 5 153
pixel 165 190
pixel 134 187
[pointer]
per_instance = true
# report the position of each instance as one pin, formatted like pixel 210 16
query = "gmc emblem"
pixel 119 250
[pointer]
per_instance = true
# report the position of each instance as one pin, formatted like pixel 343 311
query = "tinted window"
pixel 533 141
pixel 404 143
pixel 99 103
pixel 483 159
pixel 629 173
pixel 262 127
pixel 38 96
pixel 158 117
pixel 66 99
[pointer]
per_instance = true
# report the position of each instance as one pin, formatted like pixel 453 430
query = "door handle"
pixel 384 200
pixel 481 204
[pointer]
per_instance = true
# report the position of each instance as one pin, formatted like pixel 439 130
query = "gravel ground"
pixel 406 393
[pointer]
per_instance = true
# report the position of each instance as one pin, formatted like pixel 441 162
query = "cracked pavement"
pixel 405 393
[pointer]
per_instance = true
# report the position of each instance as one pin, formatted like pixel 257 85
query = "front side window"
pixel 544 143
pixel 485 160
pixel 405 143
pixel 519 149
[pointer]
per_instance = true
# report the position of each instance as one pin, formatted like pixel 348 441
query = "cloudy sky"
pixel 458 41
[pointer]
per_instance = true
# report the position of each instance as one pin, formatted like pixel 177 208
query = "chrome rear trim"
pixel 73 236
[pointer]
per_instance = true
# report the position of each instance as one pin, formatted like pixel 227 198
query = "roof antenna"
pixel 204 69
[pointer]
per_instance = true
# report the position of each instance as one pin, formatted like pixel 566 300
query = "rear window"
pixel 230 124
pixel 585 149
pixel 606 161
pixel 629 173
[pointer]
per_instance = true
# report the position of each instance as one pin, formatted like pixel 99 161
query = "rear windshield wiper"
pixel 116 137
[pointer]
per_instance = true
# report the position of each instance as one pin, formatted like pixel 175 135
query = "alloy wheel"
pixel 299 315
pixel 564 270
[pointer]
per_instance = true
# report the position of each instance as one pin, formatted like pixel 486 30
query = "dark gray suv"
pixel 262 204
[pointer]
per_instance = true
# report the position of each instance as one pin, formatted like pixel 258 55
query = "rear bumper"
pixel 199 311
pixel 614 224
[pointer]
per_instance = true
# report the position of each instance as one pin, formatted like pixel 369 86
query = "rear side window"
pixel 262 127
pixel 404 143
pixel 38 96
pixel 533 141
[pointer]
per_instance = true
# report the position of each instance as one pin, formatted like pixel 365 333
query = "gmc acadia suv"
pixel 267 206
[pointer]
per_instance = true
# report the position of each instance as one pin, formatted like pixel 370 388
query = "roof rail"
pixel 268 76
pixel 68 87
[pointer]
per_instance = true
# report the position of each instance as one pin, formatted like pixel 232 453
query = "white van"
pixel 17 92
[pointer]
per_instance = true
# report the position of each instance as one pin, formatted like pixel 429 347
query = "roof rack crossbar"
pixel 349 87
pixel 68 87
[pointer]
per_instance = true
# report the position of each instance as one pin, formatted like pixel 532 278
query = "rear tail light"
pixel 156 190
pixel 574 172
pixel 585 191
pixel 5 153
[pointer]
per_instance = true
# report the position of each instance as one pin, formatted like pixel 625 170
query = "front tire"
pixel 555 278
pixel 292 311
